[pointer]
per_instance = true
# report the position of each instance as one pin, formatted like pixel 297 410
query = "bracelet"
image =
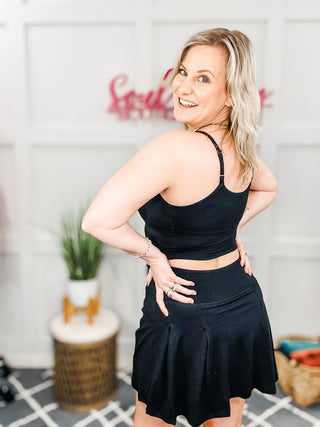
pixel 147 251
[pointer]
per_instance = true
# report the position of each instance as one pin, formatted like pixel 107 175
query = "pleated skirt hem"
pixel 218 413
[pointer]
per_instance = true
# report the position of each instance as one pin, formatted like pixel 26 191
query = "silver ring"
pixel 169 292
pixel 174 287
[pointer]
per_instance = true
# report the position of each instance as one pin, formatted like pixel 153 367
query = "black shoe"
pixel 4 368
pixel 5 393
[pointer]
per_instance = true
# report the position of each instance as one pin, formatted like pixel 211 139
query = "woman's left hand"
pixel 149 276
pixel 244 260
pixel 162 274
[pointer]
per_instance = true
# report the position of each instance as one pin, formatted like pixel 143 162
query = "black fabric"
pixel 193 361
pixel 202 230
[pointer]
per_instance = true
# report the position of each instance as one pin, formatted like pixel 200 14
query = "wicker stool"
pixel 85 356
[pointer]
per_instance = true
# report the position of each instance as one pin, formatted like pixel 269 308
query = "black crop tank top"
pixel 200 231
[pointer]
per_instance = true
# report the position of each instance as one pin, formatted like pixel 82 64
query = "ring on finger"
pixel 174 287
pixel 169 292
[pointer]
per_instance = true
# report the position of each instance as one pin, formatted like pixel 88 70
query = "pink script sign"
pixel 155 104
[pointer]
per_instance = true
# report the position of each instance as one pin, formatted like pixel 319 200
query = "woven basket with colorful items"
pixel 298 364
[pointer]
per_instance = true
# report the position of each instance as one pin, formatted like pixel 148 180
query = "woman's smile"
pixel 186 103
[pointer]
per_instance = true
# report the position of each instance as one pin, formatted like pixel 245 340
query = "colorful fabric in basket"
pixel 304 352
pixel 310 356
pixel 287 346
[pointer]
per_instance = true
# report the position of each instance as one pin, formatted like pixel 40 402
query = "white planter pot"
pixel 79 292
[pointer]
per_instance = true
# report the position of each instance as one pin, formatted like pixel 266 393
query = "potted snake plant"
pixel 82 254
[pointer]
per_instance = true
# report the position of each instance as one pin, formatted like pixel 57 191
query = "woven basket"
pixel 85 374
pixel 301 382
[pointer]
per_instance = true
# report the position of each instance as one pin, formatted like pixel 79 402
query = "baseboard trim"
pixel 46 361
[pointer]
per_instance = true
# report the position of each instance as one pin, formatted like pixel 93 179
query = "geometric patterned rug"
pixel 34 406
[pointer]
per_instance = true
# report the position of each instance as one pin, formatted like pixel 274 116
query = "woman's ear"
pixel 229 102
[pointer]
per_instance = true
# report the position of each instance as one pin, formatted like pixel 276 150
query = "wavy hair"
pixel 244 118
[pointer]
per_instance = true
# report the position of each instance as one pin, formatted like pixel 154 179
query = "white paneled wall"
pixel 58 146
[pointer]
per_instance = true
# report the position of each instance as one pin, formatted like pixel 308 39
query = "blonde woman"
pixel 204 340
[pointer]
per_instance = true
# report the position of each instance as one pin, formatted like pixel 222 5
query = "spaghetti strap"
pixel 219 154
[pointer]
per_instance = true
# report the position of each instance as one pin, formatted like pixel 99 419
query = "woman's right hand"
pixel 244 260
pixel 164 278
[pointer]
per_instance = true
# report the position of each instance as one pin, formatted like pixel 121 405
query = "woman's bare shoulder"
pixel 171 145
pixel 178 141
pixel 171 138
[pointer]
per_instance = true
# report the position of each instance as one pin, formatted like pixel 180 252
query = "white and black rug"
pixel 33 406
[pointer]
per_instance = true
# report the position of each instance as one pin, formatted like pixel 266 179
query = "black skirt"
pixel 193 361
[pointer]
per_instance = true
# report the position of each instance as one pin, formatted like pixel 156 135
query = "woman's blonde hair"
pixel 245 113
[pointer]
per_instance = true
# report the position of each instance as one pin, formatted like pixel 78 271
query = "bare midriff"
pixel 210 264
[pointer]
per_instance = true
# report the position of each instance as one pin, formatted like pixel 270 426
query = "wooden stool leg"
pixel 96 303
pixel 91 309
pixel 66 309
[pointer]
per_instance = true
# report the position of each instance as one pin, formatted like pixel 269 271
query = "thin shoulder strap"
pixel 219 154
